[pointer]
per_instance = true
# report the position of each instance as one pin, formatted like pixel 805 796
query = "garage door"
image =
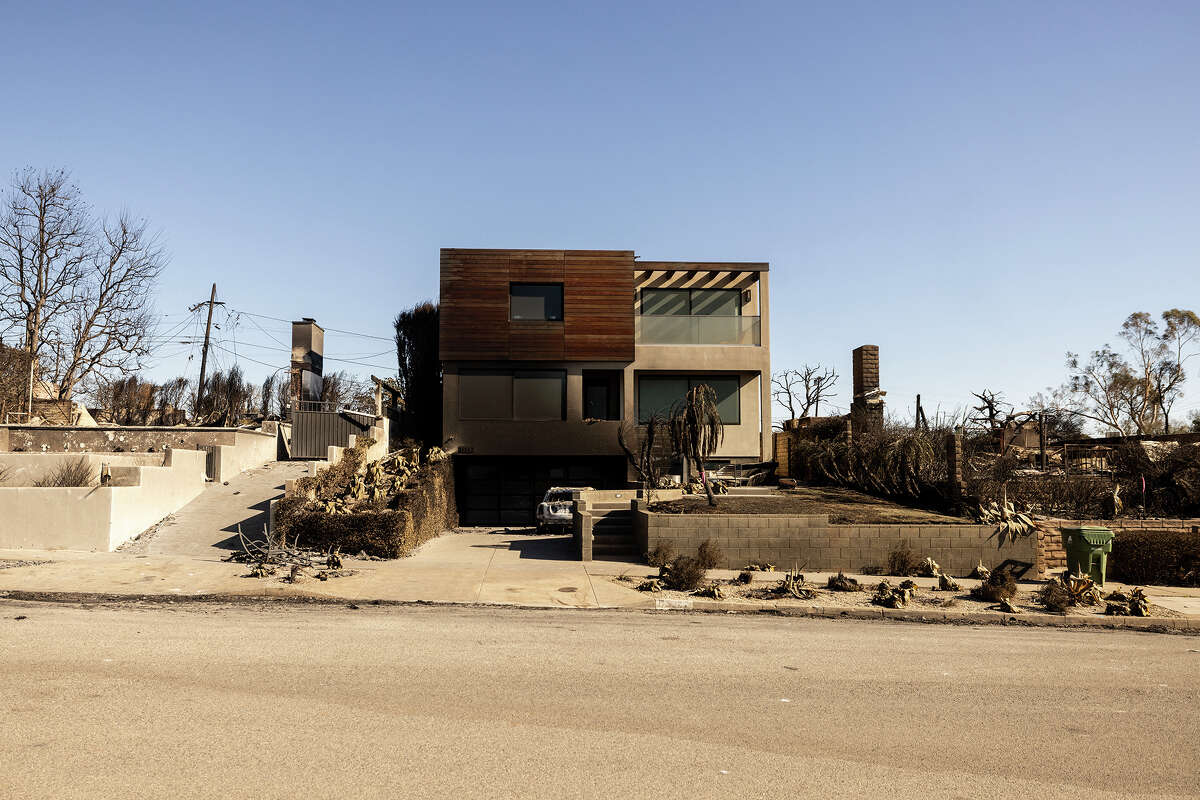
pixel 506 491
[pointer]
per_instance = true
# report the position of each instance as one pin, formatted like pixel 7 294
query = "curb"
pixel 1171 625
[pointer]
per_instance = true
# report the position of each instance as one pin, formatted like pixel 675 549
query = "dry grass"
pixel 67 474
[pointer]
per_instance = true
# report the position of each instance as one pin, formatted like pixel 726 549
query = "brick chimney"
pixel 866 409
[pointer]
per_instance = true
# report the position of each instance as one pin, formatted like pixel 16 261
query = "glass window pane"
pixel 658 394
pixel 726 390
pixel 539 395
pixel 595 401
pixel 665 302
pixel 720 302
pixel 542 301
pixel 484 395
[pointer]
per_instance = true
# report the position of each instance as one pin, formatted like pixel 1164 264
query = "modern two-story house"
pixel 546 353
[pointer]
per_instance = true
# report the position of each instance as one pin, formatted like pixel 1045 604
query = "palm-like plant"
pixel 696 429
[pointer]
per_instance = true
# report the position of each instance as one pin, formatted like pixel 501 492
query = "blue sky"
pixel 975 187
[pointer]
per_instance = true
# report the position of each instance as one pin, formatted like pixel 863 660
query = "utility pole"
pixel 212 301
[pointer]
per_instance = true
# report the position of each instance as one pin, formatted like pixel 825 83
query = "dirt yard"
pixel 844 507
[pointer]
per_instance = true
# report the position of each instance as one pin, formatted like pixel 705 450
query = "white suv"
pixel 555 510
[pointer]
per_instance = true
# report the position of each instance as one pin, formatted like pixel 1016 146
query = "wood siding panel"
pixel 597 305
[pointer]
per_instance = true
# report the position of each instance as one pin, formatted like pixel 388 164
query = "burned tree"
pixel 696 430
pixel 76 286
pixel 648 459
pixel 801 391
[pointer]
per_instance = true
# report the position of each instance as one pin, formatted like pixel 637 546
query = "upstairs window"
pixel 691 302
pixel 536 301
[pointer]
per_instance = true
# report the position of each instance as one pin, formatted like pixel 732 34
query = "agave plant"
pixel 1010 523
pixel 793 584
pixel 712 590
pixel 1069 590
pixel 889 597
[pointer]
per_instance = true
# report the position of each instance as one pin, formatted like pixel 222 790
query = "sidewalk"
pixel 472 567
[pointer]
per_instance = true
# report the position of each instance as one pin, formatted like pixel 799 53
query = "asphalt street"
pixel 286 701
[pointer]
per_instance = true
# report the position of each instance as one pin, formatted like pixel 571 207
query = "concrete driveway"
pixel 207 526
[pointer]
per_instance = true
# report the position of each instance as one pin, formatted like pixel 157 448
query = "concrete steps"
pixel 612 533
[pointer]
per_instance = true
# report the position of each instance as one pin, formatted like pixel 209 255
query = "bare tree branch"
pixel 78 288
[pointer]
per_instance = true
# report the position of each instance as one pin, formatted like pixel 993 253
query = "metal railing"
pixel 699 329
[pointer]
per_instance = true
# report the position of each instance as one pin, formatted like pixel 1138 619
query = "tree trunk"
pixel 712 501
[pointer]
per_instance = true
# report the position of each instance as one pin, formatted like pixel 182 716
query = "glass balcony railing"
pixel 707 329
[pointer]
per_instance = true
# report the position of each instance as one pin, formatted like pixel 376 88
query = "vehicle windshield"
pixel 558 496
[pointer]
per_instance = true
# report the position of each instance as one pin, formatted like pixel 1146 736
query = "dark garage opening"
pixel 505 490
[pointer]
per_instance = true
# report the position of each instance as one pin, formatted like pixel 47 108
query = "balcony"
pixel 701 329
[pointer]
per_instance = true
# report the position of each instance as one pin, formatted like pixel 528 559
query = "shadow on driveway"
pixel 549 548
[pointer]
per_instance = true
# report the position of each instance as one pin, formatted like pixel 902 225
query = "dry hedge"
pixel 391 530
pixel 1163 558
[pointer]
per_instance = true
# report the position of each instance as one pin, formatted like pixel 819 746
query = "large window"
pixel 535 301
pixel 658 393
pixel 507 394
pixel 539 394
pixel 691 302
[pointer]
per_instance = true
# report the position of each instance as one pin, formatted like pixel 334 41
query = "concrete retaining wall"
pixel 810 542
pixel 249 450
pixel 237 449
pixel 100 518
pixel 24 468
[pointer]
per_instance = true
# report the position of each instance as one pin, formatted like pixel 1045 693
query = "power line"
pixel 326 358
pixel 327 330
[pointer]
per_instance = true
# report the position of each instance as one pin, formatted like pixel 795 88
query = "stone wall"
pixel 811 542
pixel 50 439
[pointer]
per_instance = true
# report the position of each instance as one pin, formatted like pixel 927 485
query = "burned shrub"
pixel 683 574
pixel 709 555
pixel 842 583
pixel 661 555
pixel 999 585
pixel 903 560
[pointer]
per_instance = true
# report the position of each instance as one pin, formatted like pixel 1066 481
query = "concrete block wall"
pixel 812 543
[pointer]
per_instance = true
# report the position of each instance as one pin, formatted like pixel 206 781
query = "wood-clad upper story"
pixel 595 297
pixel 597 312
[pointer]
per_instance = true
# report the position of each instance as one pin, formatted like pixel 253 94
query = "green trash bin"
pixel 1087 551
